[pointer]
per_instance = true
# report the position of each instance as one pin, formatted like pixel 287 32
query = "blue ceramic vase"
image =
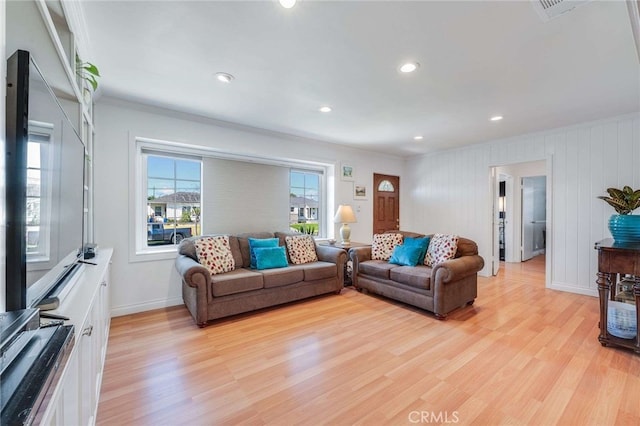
pixel 625 228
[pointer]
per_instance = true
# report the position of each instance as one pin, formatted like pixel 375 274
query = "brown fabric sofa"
pixel 440 289
pixel 209 297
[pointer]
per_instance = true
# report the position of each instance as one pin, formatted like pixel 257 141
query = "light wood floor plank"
pixel 520 355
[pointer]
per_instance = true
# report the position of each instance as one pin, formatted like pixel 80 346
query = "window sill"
pixel 150 255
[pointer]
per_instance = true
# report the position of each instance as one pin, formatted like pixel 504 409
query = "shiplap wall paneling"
pixel 585 160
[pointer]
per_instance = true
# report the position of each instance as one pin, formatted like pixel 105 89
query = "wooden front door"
pixel 386 203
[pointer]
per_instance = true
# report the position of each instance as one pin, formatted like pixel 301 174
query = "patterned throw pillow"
pixel 441 247
pixel 383 245
pixel 214 253
pixel 302 249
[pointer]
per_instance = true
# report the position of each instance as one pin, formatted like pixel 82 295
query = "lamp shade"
pixel 345 214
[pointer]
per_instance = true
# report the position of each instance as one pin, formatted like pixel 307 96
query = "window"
pixel 386 186
pixel 305 201
pixel 38 213
pixel 173 190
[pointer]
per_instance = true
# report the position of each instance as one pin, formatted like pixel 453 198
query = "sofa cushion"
pixel 406 255
pixel 414 276
pixel 255 243
pixel 270 257
pixel 302 249
pixel 282 276
pixel 236 281
pixel 319 270
pixel 215 254
pixel 376 268
pixel 442 247
pixel 383 245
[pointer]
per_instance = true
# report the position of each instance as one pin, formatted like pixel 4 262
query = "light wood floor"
pixel 521 355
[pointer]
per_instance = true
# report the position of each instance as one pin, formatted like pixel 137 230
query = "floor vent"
pixel 549 9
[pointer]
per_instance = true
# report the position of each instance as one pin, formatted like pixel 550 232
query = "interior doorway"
pixel 534 216
pixel 521 203
pixel 386 203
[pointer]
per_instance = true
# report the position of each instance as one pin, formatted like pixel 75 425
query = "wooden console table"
pixel 616 260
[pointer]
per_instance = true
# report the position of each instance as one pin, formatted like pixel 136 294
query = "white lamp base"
pixel 345 234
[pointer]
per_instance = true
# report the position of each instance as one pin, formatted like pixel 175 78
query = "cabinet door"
pixel 87 358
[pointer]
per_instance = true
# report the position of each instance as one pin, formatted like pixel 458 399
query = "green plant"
pixel 87 71
pixel 624 200
pixel 306 228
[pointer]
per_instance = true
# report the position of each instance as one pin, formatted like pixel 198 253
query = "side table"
pixel 346 247
pixel 616 260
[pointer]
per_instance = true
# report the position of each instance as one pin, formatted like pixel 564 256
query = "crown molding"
pixel 74 14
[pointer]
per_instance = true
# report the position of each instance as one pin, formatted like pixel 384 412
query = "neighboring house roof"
pixel 177 197
pixel 302 201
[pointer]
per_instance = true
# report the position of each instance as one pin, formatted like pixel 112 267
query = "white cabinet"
pixel 75 399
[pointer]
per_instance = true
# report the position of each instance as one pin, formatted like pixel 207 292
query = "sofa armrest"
pixel 331 254
pixel 192 273
pixel 455 269
pixel 360 253
pixel 357 255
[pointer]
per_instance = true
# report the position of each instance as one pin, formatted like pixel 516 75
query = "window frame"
pixel 42 133
pixel 137 203
pixel 142 147
pixel 322 204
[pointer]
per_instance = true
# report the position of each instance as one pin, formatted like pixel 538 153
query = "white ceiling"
pixel 478 59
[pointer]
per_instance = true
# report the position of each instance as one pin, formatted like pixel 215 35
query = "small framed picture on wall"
pixel 347 171
pixel 359 191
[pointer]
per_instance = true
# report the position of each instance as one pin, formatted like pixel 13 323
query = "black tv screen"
pixel 45 159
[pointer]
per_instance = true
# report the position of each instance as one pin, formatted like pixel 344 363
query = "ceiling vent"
pixel 549 9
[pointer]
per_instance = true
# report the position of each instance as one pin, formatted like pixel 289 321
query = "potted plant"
pixel 624 227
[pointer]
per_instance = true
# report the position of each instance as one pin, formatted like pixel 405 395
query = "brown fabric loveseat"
pixel 441 289
pixel 209 297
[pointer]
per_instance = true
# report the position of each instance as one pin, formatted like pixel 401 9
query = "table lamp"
pixel 345 216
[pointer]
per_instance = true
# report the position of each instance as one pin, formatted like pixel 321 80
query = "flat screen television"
pixel 45 188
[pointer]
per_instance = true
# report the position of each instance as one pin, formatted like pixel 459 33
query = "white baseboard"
pixel 119 311
pixel 573 289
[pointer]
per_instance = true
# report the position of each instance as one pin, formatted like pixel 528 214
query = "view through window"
pixel 304 201
pixel 38 179
pixel 173 199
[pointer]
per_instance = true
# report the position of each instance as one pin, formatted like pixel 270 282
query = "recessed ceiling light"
pixel 325 109
pixel 418 138
pixel 224 77
pixel 409 67
pixel 287 4
pixel 496 118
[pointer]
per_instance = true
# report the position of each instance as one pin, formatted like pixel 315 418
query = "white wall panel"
pixel 585 160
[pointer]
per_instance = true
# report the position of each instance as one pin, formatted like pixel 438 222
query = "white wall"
pixel 451 191
pixel 243 197
pixel 147 285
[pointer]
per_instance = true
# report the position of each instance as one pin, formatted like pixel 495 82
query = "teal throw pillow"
pixel 422 242
pixel 270 257
pixel 255 243
pixel 406 255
